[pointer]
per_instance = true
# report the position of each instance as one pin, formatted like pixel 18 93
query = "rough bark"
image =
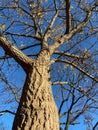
pixel 14 52
pixel 37 109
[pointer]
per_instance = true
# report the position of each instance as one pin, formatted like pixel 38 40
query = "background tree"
pixel 43 44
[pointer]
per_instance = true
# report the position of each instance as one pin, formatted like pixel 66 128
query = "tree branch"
pixel 24 35
pixel 66 37
pixel 69 55
pixel 13 90
pixel 94 127
pixel 6 111
pixel 78 89
pixel 67 16
pixel 78 68
pixel 14 52
pixel 50 25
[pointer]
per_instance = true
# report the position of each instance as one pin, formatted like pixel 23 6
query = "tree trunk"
pixel 37 109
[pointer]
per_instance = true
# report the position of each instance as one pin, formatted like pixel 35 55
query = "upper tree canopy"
pixel 70 29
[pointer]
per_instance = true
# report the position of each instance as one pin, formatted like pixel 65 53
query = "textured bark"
pixel 14 52
pixel 37 109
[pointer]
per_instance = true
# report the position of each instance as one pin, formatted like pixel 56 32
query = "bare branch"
pixel 67 16
pixel 69 55
pixel 59 82
pixel 78 89
pixel 94 127
pixel 13 90
pixel 50 25
pixel 6 111
pixel 66 37
pixel 78 68
pixel 24 35
pixel 14 52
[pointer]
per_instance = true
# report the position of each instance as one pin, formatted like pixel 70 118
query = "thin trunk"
pixel 37 109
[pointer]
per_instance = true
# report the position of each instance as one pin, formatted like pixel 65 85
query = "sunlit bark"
pixel 37 109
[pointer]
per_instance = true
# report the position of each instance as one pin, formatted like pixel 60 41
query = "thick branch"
pixel 14 52
pixel 66 37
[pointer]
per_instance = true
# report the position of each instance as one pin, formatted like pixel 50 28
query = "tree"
pixel 47 26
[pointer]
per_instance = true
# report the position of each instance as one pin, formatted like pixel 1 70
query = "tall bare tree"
pixel 47 37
